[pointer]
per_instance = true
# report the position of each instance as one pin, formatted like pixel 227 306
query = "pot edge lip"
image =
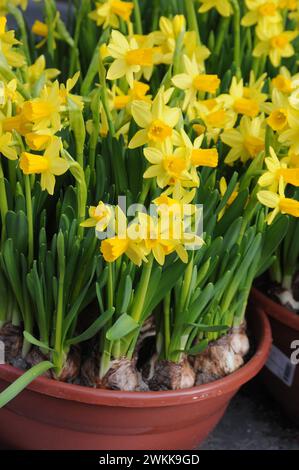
pixel 91 396
pixel 278 311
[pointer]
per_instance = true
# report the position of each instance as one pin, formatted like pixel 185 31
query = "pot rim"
pixel 276 310
pixel 92 396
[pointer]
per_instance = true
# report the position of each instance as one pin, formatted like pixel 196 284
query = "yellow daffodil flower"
pixel 169 166
pixel 247 141
pixel 289 4
pixel 7 43
pixel 194 154
pixel 166 37
pixel 193 49
pixel 285 82
pixel 114 248
pixel 109 12
pixel 48 166
pixel 7 147
pixel 138 92
pixel 40 29
pixel 10 94
pixel 65 92
pixel 215 117
pixel 193 81
pixel 242 100
pixel 129 58
pixel 17 3
pixel 39 140
pixel 223 7
pixel 277 169
pixel 99 217
pixel 292 160
pixel 38 68
pixel 261 11
pixel 280 110
pixel 290 136
pixel 278 202
pixel 17 123
pixel 274 43
pixel 157 120
pixel 44 112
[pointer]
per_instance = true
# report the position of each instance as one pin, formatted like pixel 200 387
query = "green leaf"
pixel 17 230
pixel 272 239
pixel 168 280
pixel 10 259
pixel 126 294
pixel 76 307
pixel 94 328
pixel 200 304
pixel 122 327
pixel 22 382
pixel 36 342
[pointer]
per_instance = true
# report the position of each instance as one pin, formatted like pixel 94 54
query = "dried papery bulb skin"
pixel 12 337
pixel 71 369
pixel 222 357
pixel 289 298
pixel 123 375
pixel 171 376
pixel 34 357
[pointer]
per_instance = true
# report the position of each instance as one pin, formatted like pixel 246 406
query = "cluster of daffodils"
pixel 33 125
pixel 166 232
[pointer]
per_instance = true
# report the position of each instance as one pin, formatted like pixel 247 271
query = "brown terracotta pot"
pixel 55 415
pixel 285 329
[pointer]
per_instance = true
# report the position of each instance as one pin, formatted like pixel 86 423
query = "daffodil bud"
pixel 179 24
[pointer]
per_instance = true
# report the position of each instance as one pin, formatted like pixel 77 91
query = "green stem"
pixel 287 282
pixel 108 345
pixel 167 322
pixel 221 33
pixel 21 23
pixel 3 202
pixel 142 289
pixel 137 16
pixel 263 62
pixel 186 285
pixel 102 74
pixel 58 355
pixel 110 286
pixel 192 19
pixel 74 50
pixel 237 36
pixel 92 71
pixel 30 220
pixel 12 173
pixel 177 57
pixel 145 190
